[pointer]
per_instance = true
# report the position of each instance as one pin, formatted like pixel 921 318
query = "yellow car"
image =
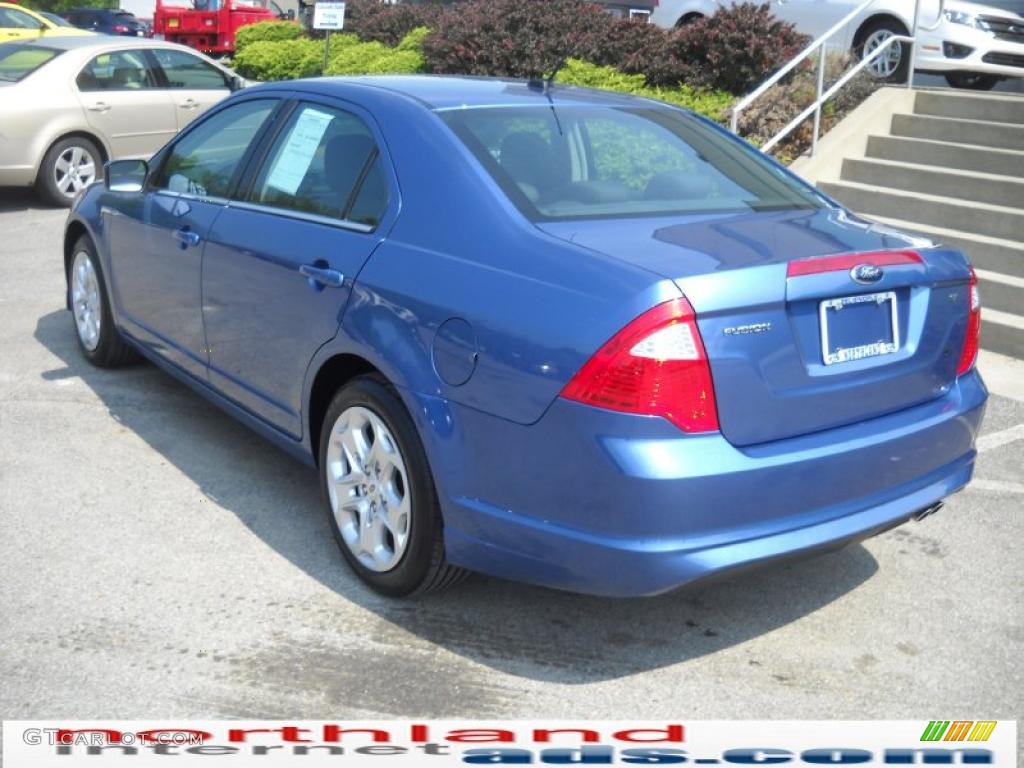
pixel 17 23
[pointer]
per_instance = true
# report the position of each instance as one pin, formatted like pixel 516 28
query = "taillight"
pixel 121 29
pixel 970 350
pixel 655 366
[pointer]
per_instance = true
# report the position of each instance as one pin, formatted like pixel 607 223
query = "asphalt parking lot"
pixel 158 559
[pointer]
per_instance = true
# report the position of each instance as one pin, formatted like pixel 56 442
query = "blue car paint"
pixel 534 487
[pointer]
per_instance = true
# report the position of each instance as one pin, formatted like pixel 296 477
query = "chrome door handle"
pixel 331 277
pixel 189 104
pixel 100 106
pixel 187 237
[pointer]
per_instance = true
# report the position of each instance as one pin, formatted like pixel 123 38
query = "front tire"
pixel 892 66
pixel 379 493
pixel 68 167
pixel 974 81
pixel 98 339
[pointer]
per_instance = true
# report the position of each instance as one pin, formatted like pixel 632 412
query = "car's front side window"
pixel 205 159
pixel 325 162
pixel 116 71
pixel 183 70
pixel 15 19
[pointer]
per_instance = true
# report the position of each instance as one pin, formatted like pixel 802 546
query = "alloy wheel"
pixel 74 170
pixel 888 62
pixel 85 300
pixel 367 483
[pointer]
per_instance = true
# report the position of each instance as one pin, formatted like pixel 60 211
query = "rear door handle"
pixel 331 277
pixel 187 237
pixel 189 104
pixel 100 106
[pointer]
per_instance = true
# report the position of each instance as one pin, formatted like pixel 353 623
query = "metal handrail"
pixel 822 95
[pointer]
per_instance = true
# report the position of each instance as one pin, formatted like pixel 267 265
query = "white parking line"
pixel 997 439
pixel 996 485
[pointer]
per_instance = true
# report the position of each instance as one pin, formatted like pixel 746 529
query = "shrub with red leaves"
pixel 388 24
pixel 737 48
pixel 512 38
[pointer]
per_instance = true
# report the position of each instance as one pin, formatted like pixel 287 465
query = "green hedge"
pixel 280 59
pixel 358 58
pixel 709 103
pixel 266 31
pixel 291 59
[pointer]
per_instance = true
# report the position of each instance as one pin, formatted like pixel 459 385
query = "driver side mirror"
pixel 126 175
pixel 235 83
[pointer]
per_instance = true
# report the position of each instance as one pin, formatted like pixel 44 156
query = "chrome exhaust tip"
pixel 921 514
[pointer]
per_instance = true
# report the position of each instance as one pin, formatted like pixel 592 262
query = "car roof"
pixel 70 43
pixel 448 92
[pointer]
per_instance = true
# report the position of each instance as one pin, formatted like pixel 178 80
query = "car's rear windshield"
pixel 19 61
pixel 574 162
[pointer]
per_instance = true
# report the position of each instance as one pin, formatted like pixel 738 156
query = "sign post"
pixel 328 16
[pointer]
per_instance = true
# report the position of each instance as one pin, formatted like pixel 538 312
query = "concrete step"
pixel 963 185
pixel 979 218
pixel 1001 292
pixel 1002 332
pixel 988 107
pixel 946 154
pixel 992 254
pixel 976 132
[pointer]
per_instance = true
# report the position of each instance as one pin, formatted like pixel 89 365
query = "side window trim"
pixel 357 188
pixel 157 169
pixel 159 77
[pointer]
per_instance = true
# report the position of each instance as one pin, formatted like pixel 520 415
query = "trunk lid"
pixel 771 312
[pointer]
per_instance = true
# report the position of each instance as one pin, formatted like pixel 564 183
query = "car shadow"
pixel 525 631
pixel 12 200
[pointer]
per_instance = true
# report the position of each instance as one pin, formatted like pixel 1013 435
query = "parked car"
pixel 17 23
pixel 59 21
pixel 974 45
pixel 108 21
pixel 106 97
pixel 557 335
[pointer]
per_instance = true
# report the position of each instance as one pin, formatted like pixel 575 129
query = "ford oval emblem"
pixel 866 274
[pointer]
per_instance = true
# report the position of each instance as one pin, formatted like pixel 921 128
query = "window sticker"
pixel 293 162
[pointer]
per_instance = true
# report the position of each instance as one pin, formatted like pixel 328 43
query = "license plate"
pixel 140 33
pixel 856 327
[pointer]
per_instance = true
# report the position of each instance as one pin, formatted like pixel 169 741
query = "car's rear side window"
pixel 325 162
pixel 566 162
pixel 183 70
pixel 19 61
pixel 205 160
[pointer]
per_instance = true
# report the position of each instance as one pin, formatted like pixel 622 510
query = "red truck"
pixel 210 25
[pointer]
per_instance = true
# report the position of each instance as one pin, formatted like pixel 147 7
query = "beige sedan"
pixel 67 105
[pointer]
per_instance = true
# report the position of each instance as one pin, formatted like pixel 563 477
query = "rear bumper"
pixel 610 504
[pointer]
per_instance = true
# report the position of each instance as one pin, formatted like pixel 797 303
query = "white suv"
pixel 974 45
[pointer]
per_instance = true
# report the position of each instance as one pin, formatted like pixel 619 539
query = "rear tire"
pixel 893 66
pixel 974 81
pixel 98 339
pixel 68 167
pixel 379 493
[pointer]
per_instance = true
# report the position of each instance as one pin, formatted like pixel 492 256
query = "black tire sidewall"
pixel 46 185
pixel 426 530
pixel 972 81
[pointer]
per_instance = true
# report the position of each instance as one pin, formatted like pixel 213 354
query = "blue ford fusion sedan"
pixel 551 334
